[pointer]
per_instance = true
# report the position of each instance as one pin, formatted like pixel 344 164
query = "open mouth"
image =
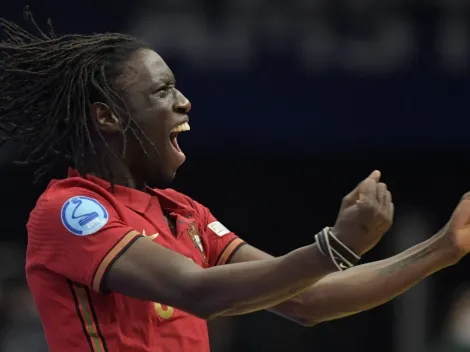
pixel 183 127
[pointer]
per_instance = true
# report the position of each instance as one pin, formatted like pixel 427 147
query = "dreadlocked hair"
pixel 47 86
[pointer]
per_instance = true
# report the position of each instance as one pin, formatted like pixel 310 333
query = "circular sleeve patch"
pixel 83 216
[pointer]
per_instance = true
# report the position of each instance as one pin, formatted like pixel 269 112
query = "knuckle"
pixel 381 188
pixel 376 205
pixel 370 206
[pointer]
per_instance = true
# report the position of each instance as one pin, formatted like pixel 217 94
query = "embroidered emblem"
pixel 193 232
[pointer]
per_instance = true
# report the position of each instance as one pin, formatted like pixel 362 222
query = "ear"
pixel 105 118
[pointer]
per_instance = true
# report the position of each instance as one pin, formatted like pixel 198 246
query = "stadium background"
pixel 293 103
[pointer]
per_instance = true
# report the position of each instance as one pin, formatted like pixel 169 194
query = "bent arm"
pixel 361 288
pixel 151 272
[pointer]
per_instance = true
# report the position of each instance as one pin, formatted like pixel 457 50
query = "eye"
pixel 163 91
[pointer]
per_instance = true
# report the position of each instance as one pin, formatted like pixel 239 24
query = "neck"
pixel 113 170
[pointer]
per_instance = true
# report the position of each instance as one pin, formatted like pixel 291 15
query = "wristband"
pixel 340 254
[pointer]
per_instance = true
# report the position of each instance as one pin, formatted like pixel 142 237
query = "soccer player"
pixel 116 265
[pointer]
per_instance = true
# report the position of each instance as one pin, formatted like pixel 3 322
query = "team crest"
pixel 193 232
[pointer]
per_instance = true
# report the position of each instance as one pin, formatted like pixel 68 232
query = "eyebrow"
pixel 167 76
pixel 164 79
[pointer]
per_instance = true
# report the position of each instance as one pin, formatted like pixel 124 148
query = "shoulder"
pixel 68 201
pixel 59 191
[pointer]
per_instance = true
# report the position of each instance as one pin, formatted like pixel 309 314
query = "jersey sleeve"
pixel 223 243
pixel 78 234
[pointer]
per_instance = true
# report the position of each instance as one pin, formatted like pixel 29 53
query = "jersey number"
pixel 162 312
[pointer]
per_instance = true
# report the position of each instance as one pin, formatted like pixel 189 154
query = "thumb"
pixel 375 175
pixel 358 192
pixel 361 189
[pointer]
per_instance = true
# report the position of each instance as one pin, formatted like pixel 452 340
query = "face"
pixel 160 111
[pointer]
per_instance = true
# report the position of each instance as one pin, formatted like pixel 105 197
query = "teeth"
pixel 181 128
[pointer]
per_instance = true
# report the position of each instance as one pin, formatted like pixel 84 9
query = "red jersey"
pixel 78 228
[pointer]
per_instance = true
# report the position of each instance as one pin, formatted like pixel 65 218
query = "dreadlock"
pixel 47 86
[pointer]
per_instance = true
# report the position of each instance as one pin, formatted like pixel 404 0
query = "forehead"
pixel 147 67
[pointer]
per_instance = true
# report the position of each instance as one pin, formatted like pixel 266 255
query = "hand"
pixel 458 229
pixel 366 214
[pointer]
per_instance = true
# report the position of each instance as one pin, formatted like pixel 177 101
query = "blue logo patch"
pixel 83 216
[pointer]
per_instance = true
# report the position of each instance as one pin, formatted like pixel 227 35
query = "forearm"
pixel 367 286
pixel 258 285
pixel 154 273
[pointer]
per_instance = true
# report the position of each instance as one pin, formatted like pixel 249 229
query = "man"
pixel 103 245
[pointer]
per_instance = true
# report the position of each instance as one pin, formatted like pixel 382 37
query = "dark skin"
pixel 299 285
pixel 157 106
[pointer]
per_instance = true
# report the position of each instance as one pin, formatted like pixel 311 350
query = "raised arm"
pixel 366 286
pixel 151 272
pixel 107 254
pixel 361 288
pixel 148 271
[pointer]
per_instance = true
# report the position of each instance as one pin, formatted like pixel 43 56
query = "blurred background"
pixel 294 102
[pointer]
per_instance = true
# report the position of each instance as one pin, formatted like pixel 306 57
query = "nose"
pixel 182 104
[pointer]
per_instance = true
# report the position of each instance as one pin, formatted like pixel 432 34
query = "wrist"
pixel 333 248
pixel 446 249
pixel 355 247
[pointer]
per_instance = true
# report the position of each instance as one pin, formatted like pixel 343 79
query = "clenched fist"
pixel 365 215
